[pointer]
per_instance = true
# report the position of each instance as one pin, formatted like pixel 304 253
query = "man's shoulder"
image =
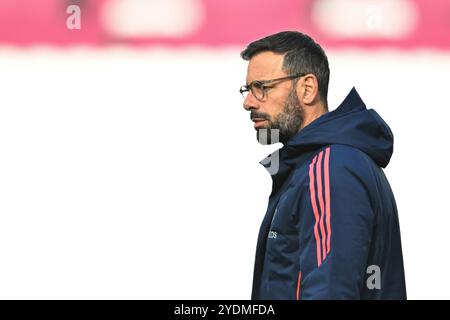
pixel 335 159
pixel 347 155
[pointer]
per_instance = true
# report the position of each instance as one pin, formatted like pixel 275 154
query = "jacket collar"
pixel 299 144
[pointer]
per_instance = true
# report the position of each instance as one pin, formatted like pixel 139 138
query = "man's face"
pixel 280 108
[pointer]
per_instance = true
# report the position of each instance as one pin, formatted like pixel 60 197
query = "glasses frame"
pixel 263 84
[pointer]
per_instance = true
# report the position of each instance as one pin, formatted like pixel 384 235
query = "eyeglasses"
pixel 259 87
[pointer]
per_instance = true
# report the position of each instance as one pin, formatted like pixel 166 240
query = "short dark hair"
pixel 302 55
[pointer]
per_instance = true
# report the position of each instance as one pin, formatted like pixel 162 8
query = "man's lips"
pixel 258 121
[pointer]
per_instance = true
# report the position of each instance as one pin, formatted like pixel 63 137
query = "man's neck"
pixel 310 117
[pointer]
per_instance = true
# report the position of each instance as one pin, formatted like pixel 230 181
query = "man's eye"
pixel 257 85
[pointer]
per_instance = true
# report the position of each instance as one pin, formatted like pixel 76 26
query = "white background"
pixel 134 174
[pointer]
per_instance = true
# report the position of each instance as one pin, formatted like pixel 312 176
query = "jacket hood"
pixel 350 124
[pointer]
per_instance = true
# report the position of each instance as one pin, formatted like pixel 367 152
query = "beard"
pixel 285 125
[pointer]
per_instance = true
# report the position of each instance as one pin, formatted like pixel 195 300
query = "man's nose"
pixel 250 102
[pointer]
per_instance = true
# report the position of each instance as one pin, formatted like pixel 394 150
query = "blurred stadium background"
pixel 129 170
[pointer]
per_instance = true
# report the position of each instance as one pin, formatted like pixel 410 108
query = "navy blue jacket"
pixel 331 229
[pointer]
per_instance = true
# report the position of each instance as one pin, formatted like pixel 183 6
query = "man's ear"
pixel 308 89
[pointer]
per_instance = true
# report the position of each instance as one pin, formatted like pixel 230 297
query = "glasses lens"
pixel 258 90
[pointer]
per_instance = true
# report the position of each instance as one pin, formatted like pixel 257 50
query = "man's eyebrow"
pixel 248 82
pixel 252 79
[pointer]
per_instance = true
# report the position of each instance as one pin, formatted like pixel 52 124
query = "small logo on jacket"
pixel 272 234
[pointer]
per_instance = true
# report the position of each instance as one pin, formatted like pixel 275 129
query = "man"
pixel 331 229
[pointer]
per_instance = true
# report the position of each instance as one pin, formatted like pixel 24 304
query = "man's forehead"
pixel 265 65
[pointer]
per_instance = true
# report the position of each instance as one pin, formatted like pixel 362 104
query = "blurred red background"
pixel 364 23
